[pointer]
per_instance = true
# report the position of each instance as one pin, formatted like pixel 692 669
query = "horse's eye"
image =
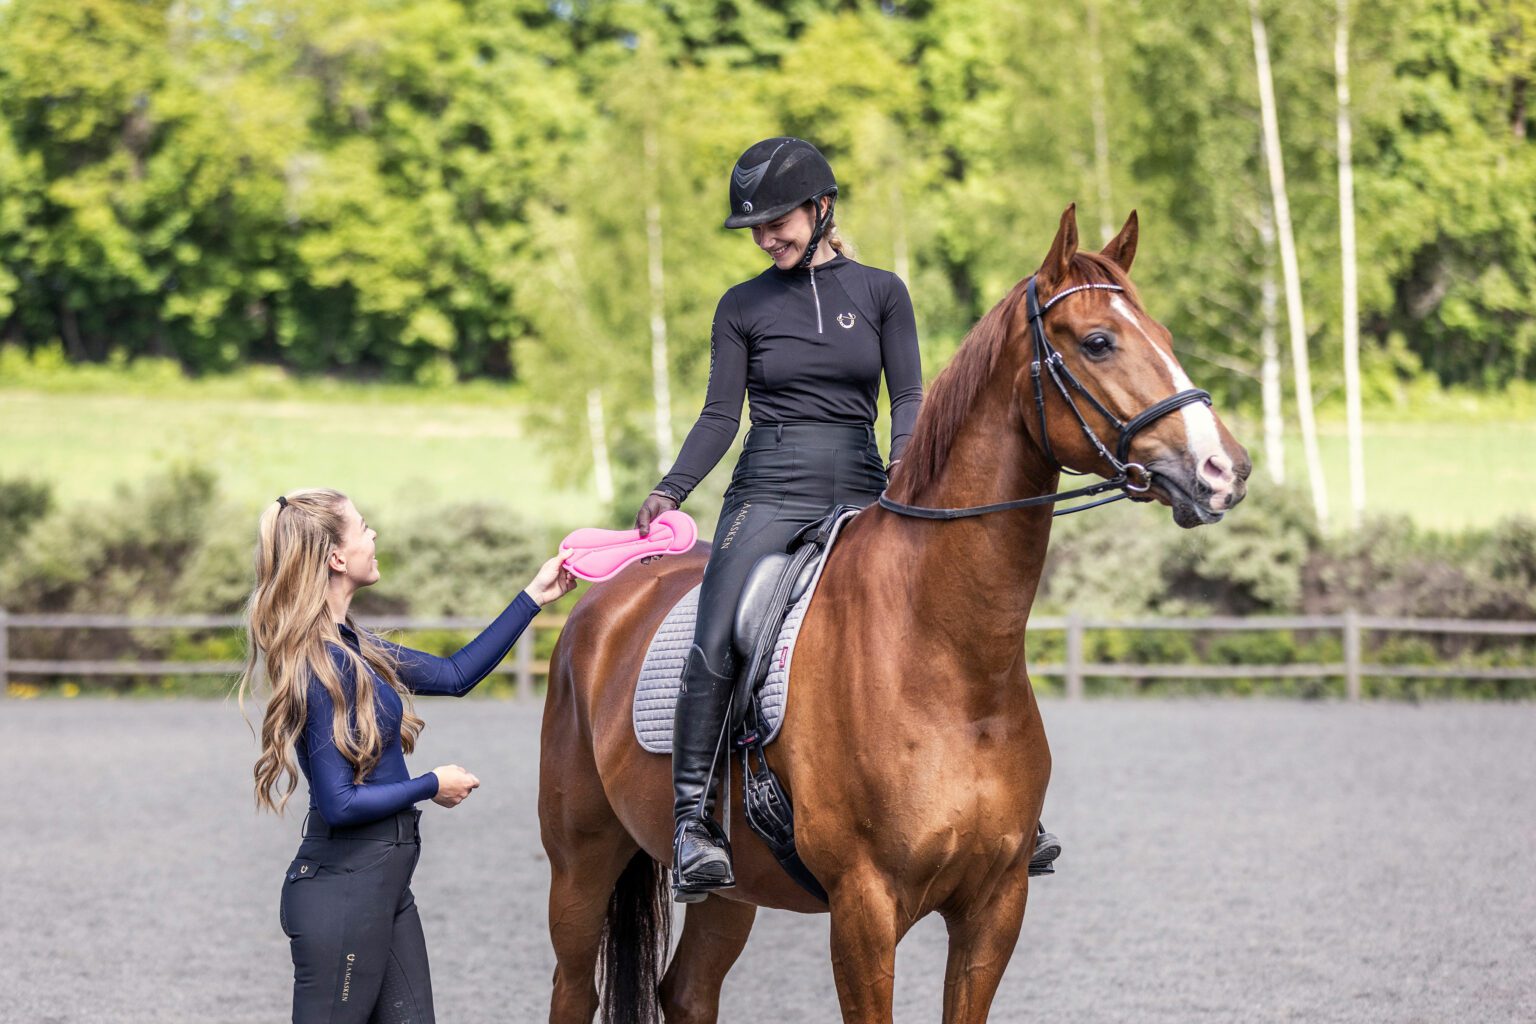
pixel 1097 346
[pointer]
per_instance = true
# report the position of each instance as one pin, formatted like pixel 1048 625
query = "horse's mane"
pixel 954 392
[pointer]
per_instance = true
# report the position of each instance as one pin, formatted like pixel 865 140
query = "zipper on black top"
pixel 816 295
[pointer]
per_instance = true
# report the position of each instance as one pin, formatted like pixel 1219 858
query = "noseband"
pixel 1130 477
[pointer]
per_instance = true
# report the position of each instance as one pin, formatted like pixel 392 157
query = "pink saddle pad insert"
pixel 599 555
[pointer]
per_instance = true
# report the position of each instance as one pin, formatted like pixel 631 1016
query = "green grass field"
pixel 389 455
pixel 395 453
pixel 1444 475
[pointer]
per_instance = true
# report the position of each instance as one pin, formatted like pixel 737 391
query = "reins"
pixel 1129 477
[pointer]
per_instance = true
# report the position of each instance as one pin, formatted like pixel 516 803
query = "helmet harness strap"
pixel 823 221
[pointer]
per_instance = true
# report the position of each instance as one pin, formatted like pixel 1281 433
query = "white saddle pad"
pixel 662 672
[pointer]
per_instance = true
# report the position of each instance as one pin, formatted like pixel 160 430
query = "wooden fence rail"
pixel 1076 669
pixel 522 665
pixel 1352 625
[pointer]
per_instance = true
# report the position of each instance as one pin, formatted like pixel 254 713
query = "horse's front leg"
pixel 982 935
pixel 866 925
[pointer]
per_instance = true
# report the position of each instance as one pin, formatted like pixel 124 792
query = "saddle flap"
pixel 752 608
pixel 757 609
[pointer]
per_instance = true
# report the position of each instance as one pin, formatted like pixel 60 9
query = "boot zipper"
pixel 817 296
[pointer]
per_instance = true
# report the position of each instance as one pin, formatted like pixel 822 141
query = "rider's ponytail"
pixel 839 244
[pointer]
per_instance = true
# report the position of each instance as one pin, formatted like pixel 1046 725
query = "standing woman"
pixel 340 714
pixel 806 340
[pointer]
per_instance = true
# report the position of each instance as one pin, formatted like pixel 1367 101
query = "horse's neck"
pixel 984 571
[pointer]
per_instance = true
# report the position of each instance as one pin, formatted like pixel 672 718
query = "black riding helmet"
pixel 775 176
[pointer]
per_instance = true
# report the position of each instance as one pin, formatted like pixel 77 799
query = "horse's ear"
pixel 1058 262
pixel 1122 248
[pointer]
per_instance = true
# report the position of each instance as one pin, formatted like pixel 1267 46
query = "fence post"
pixel 1074 657
pixel 524 656
pixel 5 653
pixel 1351 655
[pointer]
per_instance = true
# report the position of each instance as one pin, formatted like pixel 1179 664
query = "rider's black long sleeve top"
pixel 805 346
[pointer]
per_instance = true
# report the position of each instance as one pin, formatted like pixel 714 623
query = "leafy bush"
pixel 1132 560
pixel 22 504
pixel 170 545
pixel 1393 568
pixel 123 555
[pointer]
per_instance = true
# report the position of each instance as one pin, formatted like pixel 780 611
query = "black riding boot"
pixel 701 855
pixel 1047 849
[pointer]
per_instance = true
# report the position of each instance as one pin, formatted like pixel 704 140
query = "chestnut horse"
pixel 912 745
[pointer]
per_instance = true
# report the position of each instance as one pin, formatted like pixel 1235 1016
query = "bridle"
pixel 1130 477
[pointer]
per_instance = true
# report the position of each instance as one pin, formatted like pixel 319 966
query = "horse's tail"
pixel 637 936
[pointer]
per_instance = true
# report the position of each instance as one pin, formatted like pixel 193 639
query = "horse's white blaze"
pixel 1199 422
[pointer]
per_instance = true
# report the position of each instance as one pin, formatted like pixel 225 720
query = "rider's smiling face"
pixel 785 239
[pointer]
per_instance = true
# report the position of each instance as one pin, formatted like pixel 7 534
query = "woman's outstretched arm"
pixel 457 674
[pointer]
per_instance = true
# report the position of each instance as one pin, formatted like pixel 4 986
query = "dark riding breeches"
pixel 358 952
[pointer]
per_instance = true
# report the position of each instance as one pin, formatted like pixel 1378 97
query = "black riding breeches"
pixel 347 909
pixel 788 476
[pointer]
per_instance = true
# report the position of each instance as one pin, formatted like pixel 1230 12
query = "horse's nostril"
pixel 1216 471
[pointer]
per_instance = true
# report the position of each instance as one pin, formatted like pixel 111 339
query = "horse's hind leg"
pixel 583 873
pixel 714 934
pixel 589 851
pixel 981 941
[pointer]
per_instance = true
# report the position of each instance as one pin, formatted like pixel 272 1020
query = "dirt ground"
pixel 1226 861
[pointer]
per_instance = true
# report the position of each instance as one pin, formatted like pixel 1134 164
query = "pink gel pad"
pixel 599 555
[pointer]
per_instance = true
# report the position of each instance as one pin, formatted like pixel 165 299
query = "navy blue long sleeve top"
pixel 805 345
pixel 389 788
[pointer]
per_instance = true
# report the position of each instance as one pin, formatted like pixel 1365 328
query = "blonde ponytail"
pixel 839 244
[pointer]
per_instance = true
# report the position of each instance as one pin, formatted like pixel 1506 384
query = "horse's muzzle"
pixel 1199 495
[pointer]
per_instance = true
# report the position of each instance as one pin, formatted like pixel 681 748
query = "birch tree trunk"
pixel 1100 105
pixel 901 257
pixel 661 388
pixel 1354 425
pixel 1269 350
pixel 1288 265
pixel 571 284
pixel 597 428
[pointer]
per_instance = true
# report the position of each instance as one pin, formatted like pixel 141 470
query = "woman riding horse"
pixel 914 749
pixel 806 340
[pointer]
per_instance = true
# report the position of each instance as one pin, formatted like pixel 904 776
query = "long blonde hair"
pixel 290 636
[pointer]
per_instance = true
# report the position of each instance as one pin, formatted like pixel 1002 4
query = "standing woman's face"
pixel 355 558
pixel 785 239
